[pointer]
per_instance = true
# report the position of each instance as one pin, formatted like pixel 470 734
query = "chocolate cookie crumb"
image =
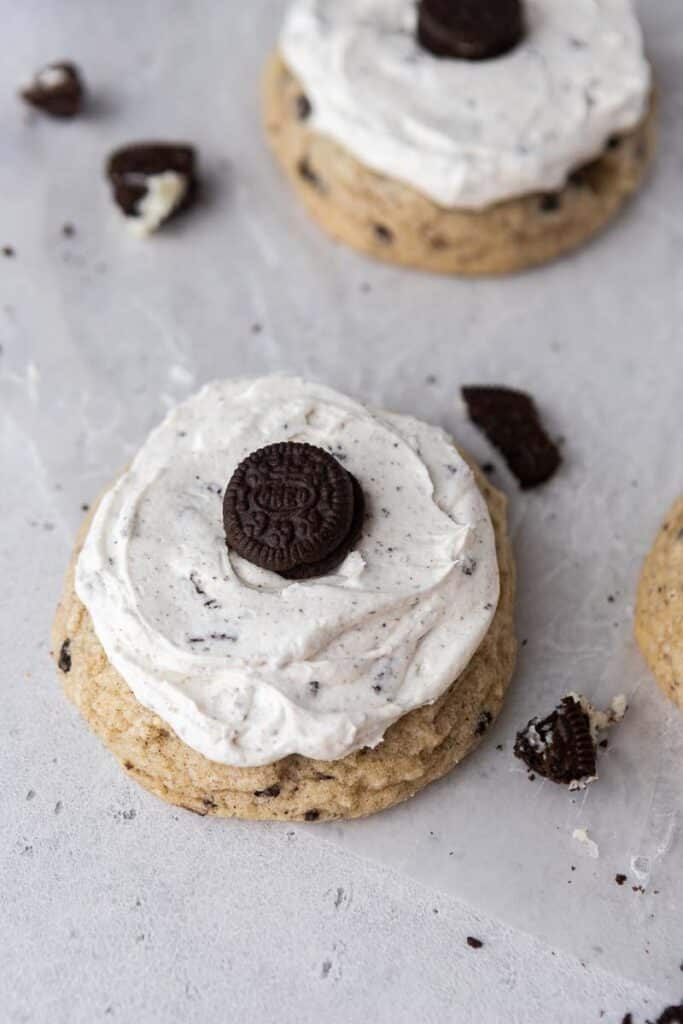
pixel 8 251
pixel 68 230
pixel 57 90
pixel 64 662
pixel 152 182
pixel 311 815
pixel 620 879
pixel 510 421
pixel 474 943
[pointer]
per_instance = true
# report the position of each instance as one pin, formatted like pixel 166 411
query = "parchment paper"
pixel 101 333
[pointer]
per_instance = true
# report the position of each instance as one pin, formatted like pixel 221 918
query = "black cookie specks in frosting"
pixel 470 29
pixel 293 509
pixel 560 747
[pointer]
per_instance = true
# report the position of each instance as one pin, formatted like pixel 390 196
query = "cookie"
pixel 469 29
pixel 56 90
pixel 659 606
pixel 393 222
pixel 152 182
pixel 421 747
pixel 289 508
pixel 510 421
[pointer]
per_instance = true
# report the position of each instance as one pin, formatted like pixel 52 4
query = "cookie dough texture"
pixel 659 607
pixel 391 221
pixel 419 748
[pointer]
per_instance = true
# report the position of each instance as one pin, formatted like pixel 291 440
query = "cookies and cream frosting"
pixel 246 666
pixel 469 134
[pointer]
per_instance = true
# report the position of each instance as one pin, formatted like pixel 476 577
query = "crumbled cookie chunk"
pixel 152 182
pixel 511 422
pixel 56 90
pixel 563 746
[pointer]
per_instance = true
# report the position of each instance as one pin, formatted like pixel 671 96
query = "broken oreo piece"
pixel 560 747
pixel 57 90
pixel 672 1015
pixel 152 182
pixel 511 422
pixel 293 509
pixel 469 29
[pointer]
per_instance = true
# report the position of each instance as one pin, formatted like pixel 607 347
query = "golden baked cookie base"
pixel 390 221
pixel 420 747
pixel 659 606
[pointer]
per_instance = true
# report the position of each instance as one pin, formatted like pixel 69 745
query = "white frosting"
pixel 164 194
pixel 52 77
pixel 246 666
pixel 470 133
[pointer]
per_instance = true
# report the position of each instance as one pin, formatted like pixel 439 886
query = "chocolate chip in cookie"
pixel 293 509
pixel 469 29
pixel 304 108
pixel 511 422
pixel 152 182
pixel 560 747
pixel 57 90
pixel 64 662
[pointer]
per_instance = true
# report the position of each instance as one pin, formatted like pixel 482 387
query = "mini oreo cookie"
pixel 511 422
pixel 293 509
pixel 469 29
pixel 133 169
pixel 57 90
pixel 560 747
pixel 337 556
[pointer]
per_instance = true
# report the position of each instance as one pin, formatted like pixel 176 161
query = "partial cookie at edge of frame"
pixel 659 606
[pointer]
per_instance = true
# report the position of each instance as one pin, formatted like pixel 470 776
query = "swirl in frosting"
pixel 470 134
pixel 248 667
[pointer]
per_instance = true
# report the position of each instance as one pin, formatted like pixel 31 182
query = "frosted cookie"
pixel 423 157
pixel 232 690
pixel 659 607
